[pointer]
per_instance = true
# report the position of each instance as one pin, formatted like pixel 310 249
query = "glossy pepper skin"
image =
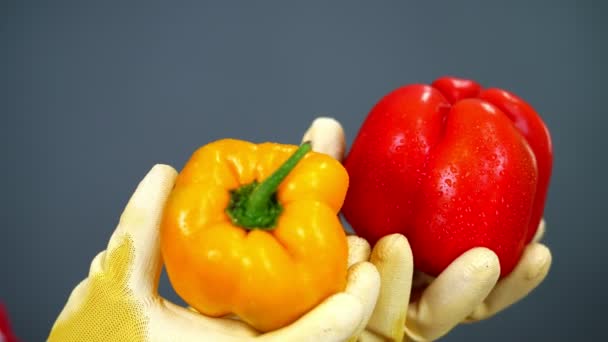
pixel 268 275
pixel 451 166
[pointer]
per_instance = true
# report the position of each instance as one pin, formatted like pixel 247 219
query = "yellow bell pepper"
pixel 253 230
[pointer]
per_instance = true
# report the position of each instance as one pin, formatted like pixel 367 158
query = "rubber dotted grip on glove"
pixel 108 311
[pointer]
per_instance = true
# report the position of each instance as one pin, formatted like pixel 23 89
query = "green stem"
pixel 260 197
pixel 255 205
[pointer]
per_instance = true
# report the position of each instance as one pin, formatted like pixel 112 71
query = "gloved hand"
pixel 119 301
pixel 413 306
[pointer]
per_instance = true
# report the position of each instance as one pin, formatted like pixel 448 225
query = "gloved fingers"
pixel 392 256
pixel 370 336
pixel 358 250
pixel 326 136
pixel 364 284
pixel 453 295
pixel 540 232
pixel 139 226
pixel 527 275
pixel 176 323
pixel 362 287
pixel 335 319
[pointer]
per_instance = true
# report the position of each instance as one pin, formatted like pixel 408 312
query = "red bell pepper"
pixel 451 166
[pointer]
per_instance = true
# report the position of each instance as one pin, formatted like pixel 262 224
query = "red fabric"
pixel 5 327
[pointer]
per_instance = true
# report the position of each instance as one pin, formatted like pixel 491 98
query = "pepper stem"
pixel 255 205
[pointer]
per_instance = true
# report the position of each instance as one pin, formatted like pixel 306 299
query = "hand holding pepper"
pixel 118 301
pixel 468 290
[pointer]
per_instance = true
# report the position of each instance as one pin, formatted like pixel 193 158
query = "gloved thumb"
pixel 139 227
pixel 327 136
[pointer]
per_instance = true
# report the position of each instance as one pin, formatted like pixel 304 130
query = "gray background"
pixel 92 94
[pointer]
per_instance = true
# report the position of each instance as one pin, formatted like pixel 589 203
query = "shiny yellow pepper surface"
pixel 253 230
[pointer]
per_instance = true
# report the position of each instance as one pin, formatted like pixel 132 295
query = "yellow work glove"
pixel 118 301
pixel 413 306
